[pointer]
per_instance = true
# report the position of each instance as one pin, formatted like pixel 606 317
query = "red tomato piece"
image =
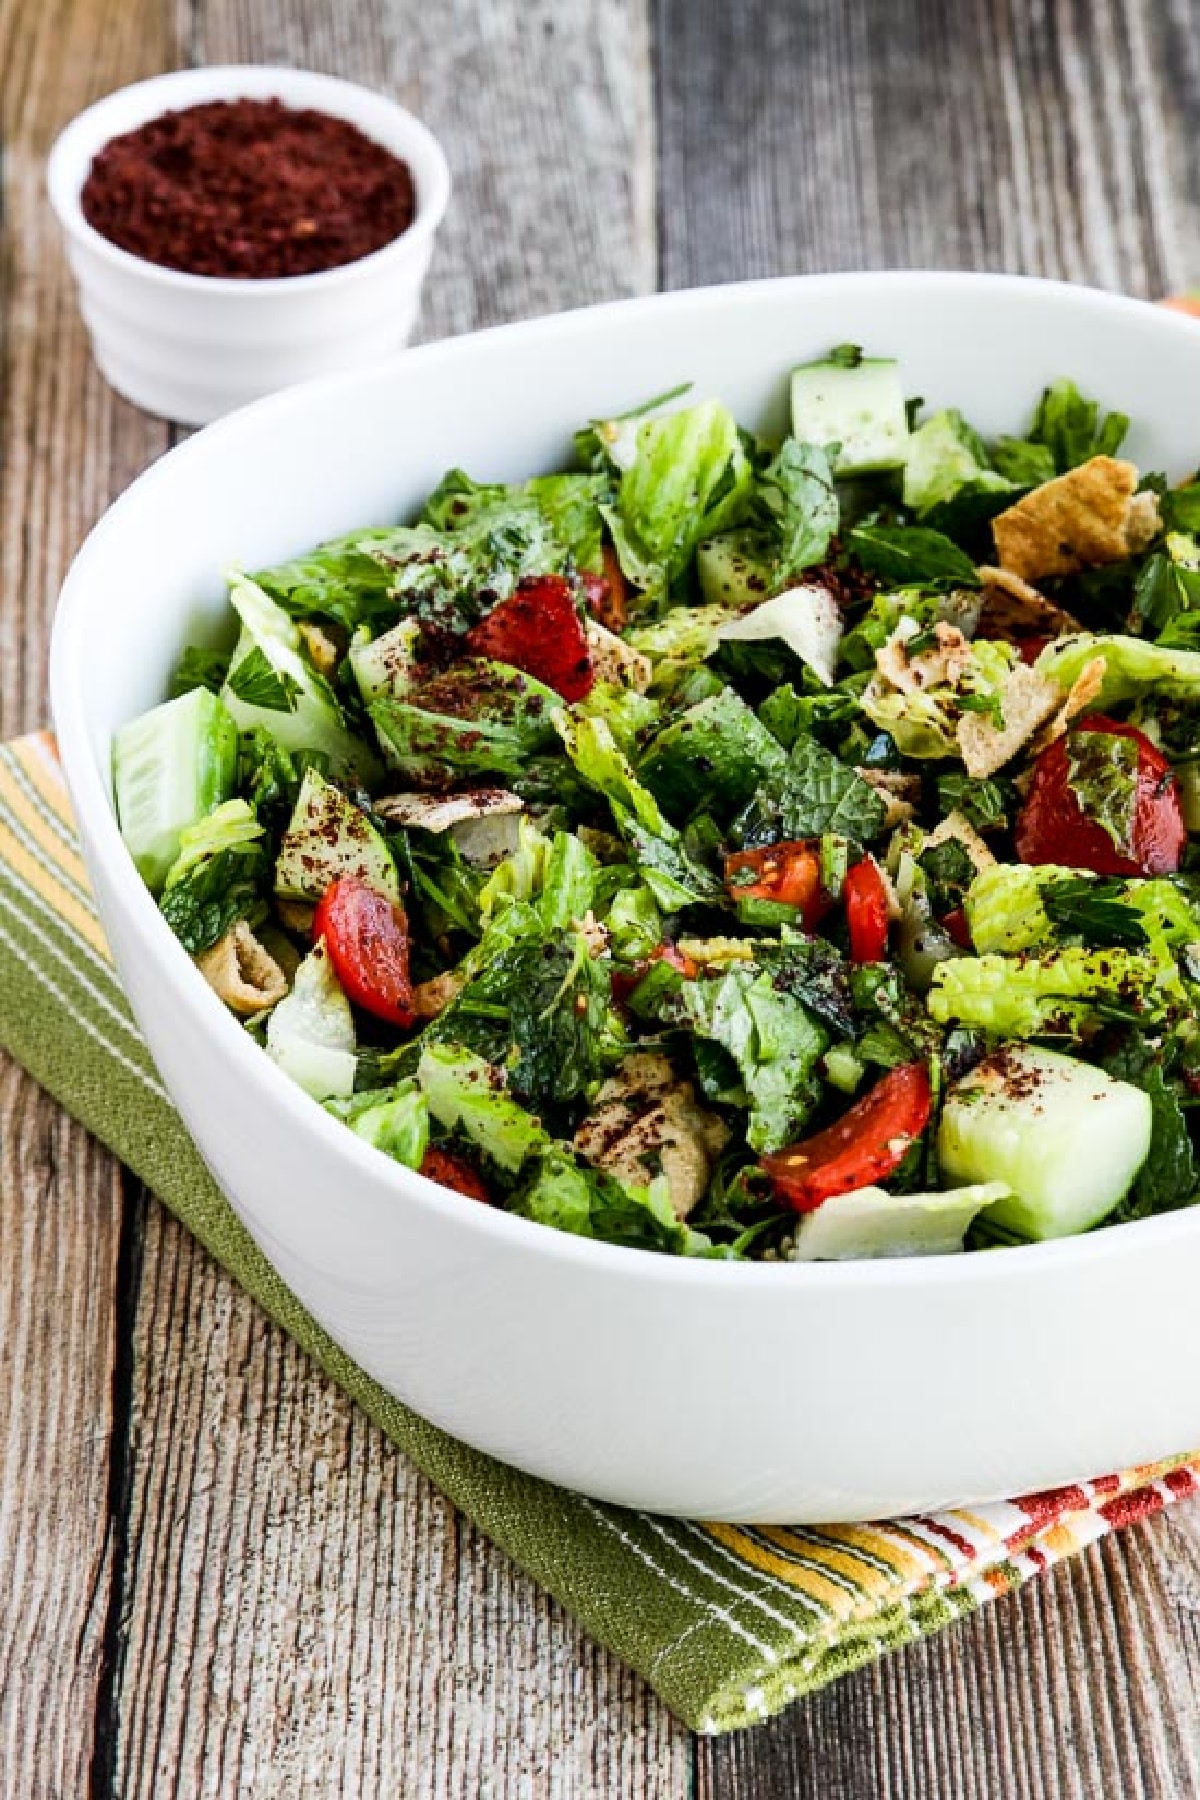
pixel 455 1172
pixel 866 912
pixel 538 629
pixel 1030 648
pixel 866 1143
pixel 366 935
pixel 789 873
pixel 1054 828
pixel 956 928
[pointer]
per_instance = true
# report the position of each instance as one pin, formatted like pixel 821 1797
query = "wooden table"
pixel 217 1578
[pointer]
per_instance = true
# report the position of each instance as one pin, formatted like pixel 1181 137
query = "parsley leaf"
pixel 912 555
pixel 1072 429
pixel 258 684
pixel 1096 911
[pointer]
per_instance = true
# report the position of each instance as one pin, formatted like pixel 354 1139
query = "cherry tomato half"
pixel 366 935
pixel 866 912
pixel 865 1144
pixel 538 629
pixel 455 1172
pixel 1054 828
pixel 789 873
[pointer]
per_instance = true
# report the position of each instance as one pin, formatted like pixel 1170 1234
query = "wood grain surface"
pixel 219 1578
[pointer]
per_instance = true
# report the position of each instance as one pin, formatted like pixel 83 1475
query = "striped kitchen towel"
pixel 728 1623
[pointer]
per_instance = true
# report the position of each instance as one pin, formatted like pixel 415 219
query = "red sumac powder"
pixel 248 188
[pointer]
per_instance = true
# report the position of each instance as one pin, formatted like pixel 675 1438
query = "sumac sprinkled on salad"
pixel 751 850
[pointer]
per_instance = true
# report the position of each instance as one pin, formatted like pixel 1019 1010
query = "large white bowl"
pixel 759 1392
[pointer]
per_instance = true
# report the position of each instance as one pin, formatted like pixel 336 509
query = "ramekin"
pixel 191 347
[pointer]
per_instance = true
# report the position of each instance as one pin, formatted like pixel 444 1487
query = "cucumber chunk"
pixel 858 407
pixel 383 667
pixel 718 752
pixel 310 1034
pixel 280 691
pixel 871 1222
pixel 171 768
pixel 734 570
pixel 1066 1137
pixel 329 837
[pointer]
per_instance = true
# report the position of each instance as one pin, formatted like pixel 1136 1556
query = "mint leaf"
pixel 1167 1179
pixel 911 556
pixel 258 684
pixel 812 794
pixel 199 668
pixel 1102 773
pixel 799 490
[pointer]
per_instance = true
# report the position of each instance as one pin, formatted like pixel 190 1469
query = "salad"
pixel 724 848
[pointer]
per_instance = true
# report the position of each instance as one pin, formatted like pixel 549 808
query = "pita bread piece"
pixel 1090 515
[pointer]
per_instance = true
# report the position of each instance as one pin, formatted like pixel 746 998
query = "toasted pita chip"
pixel 243 972
pixel 615 661
pixel 1084 689
pixel 943 663
pixel 955 825
pixel 429 998
pixel 1027 701
pixel 1087 516
pixel 1013 609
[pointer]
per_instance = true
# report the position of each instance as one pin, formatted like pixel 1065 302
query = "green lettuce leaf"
pixel 478 717
pixel 571 1196
pixel 467 1094
pixel 1132 668
pixel 395 1120
pixel 1072 429
pixel 772 1039
pixel 673 876
pixel 1029 996
pixel 690 478
pixel 944 456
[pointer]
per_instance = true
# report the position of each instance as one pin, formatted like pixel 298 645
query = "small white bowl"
pixel 192 347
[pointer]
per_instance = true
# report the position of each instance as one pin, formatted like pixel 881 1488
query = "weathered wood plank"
pixel 306 1616
pixel 302 1613
pixel 67 446
pixel 1049 141
pixel 983 134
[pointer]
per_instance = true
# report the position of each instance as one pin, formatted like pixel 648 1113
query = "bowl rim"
pixel 68 686
pixel 90 130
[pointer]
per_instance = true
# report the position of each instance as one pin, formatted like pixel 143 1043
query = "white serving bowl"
pixel 761 1392
pixel 192 347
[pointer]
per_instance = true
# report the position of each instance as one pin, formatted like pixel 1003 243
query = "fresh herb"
pixel 1168 1177
pixel 813 794
pixel 1072 428
pixel 198 667
pixel 1097 911
pixel 797 488
pixel 256 682
pixel 1102 773
pixel 912 554
pixel 218 892
pixel 986 804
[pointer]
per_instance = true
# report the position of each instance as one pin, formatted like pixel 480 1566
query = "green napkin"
pixel 727 1623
